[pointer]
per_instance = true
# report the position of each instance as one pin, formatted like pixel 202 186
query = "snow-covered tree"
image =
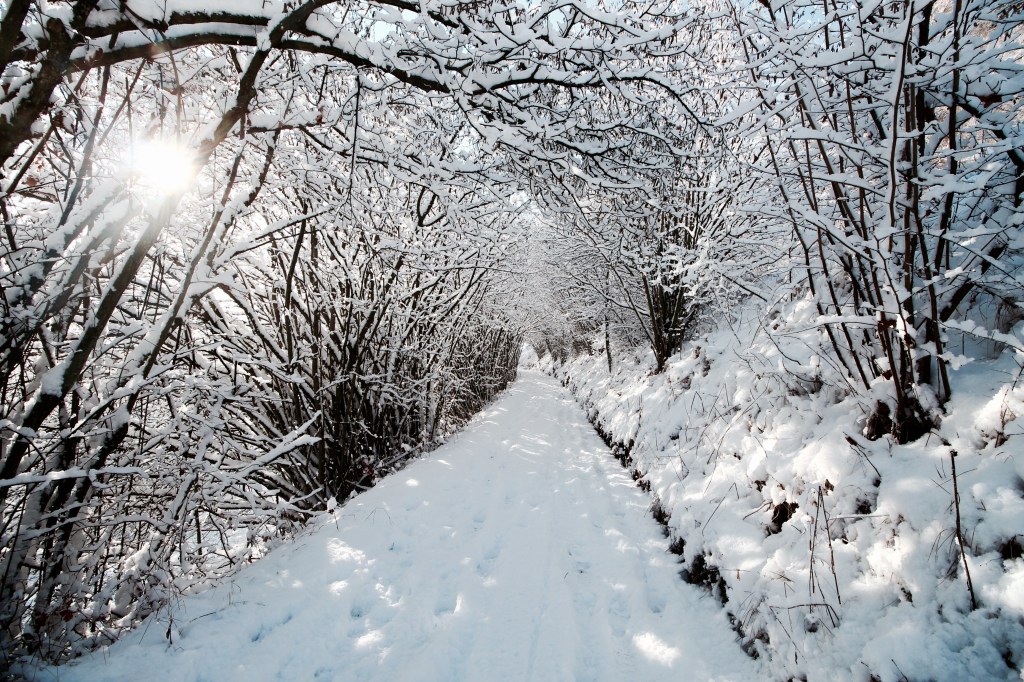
pixel 889 131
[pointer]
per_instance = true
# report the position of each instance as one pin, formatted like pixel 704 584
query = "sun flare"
pixel 162 166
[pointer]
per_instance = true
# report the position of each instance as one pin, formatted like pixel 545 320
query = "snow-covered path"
pixel 519 551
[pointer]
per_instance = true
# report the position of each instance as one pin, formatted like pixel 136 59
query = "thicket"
pixel 863 156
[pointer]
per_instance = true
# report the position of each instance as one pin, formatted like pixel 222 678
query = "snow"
pixel 740 424
pixel 520 550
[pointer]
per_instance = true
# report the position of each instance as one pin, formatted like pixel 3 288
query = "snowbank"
pixel 838 556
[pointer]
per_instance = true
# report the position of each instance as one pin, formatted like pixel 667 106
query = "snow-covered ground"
pixel 838 554
pixel 521 550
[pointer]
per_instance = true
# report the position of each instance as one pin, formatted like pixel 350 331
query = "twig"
pixel 959 531
pixel 828 534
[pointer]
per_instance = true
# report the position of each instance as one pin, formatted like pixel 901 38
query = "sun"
pixel 162 166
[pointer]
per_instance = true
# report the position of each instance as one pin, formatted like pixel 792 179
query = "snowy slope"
pixel 838 554
pixel 519 551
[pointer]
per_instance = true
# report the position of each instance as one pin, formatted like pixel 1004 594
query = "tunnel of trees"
pixel 257 255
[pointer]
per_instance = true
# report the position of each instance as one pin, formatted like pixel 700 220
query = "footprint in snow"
pixel 360 607
pixel 656 601
pixel 266 628
pixel 618 614
pixel 447 602
pixel 486 563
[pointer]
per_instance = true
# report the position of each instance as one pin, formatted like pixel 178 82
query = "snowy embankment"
pixel 518 551
pixel 838 555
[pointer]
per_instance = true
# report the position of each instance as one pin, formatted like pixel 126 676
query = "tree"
pixel 887 138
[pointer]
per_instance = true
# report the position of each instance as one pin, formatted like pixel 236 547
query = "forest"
pixel 256 256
